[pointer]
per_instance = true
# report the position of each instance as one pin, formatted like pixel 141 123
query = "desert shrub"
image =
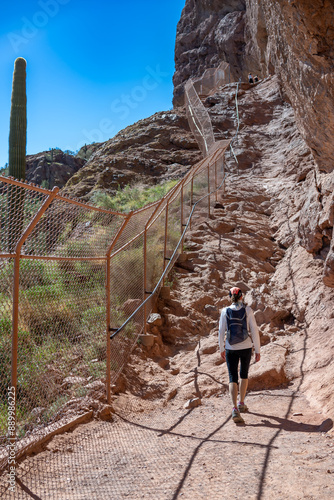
pixel 46 312
pixel 127 273
pixel 131 197
pixel 33 273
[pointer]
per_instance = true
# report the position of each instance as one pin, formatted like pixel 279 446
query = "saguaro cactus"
pixel 18 122
pixel 17 152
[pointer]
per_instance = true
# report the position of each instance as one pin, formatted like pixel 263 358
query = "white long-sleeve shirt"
pixel 252 329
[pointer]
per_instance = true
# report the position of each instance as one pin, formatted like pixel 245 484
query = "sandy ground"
pixel 200 453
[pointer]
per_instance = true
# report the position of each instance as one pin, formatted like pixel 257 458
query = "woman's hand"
pixel 257 357
pixel 223 356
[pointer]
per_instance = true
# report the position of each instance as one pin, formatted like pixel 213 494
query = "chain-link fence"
pixel 70 275
pixel 198 116
pixel 77 284
pixel 212 79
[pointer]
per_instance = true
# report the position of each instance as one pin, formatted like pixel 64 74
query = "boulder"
pixel 269 372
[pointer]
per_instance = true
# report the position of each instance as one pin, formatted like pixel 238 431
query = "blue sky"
pixel 93 67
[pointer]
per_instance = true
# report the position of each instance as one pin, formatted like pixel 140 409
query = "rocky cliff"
pixel 294 40
pixel 289 38
pixel 52 168
pixel 157 148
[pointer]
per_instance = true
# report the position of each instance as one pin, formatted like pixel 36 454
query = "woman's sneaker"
pixel 236 417
pixel 242 408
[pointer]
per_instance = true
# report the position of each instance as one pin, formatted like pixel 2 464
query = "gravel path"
pixel 174 453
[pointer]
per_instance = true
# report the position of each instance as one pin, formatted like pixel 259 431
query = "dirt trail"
pixel 194 454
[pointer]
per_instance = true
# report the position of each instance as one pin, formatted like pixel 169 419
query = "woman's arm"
pixel 253 328
pixel 221 335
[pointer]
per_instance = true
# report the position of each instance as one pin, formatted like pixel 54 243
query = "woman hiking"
pixel 239 323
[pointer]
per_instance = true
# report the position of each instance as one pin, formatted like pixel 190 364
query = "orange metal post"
pixel 145 280
pixel 16 292
pixel 216 182
pixel 108 306
pixel 209 197
pixel 108 346
pixel 165 243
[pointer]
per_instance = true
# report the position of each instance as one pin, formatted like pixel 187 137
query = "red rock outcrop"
pixel 255 240
pixel 157 148
pixel 292 39
pixel 54 168
pixel 209 31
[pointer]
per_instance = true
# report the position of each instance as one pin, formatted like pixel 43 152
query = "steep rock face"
pixel 299 46
pixel 55 168
pixel 292 39
pixel 209 31
pixel 295 41
pixel 157 148
pixel 275 203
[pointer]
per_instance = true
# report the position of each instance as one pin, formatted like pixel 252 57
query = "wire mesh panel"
pixel 220 169
pixel 199 120
pixel 69 230
pixel 6 288
pixel 18 206
pixel 200 187
pixel 134 226
pixel 155 239
pixel 174 226
pixel 197 115
pixel 126 295
pixel 212 78
pixel 61 337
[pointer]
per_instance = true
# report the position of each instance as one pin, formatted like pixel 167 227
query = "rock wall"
pixel 294 40
pixel 160 147
pixel 209 31
pixel 52 168
pixel 290 38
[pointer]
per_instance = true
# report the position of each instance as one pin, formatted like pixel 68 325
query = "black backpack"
pixel 236 325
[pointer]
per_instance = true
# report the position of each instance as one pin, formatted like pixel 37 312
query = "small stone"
pixel 106 413
pixel 155 319
pixel 163 363
pixel 171 394
pixel 297 414
pixel 165 292
pixel 68 381
pixel 192 403
pixel 147 340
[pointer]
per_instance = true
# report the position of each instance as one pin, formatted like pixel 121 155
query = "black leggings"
pixel 232 361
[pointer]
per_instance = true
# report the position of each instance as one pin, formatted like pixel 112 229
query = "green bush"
pixel 131 197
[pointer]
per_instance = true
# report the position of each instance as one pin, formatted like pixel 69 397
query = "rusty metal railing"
pixel 71 274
